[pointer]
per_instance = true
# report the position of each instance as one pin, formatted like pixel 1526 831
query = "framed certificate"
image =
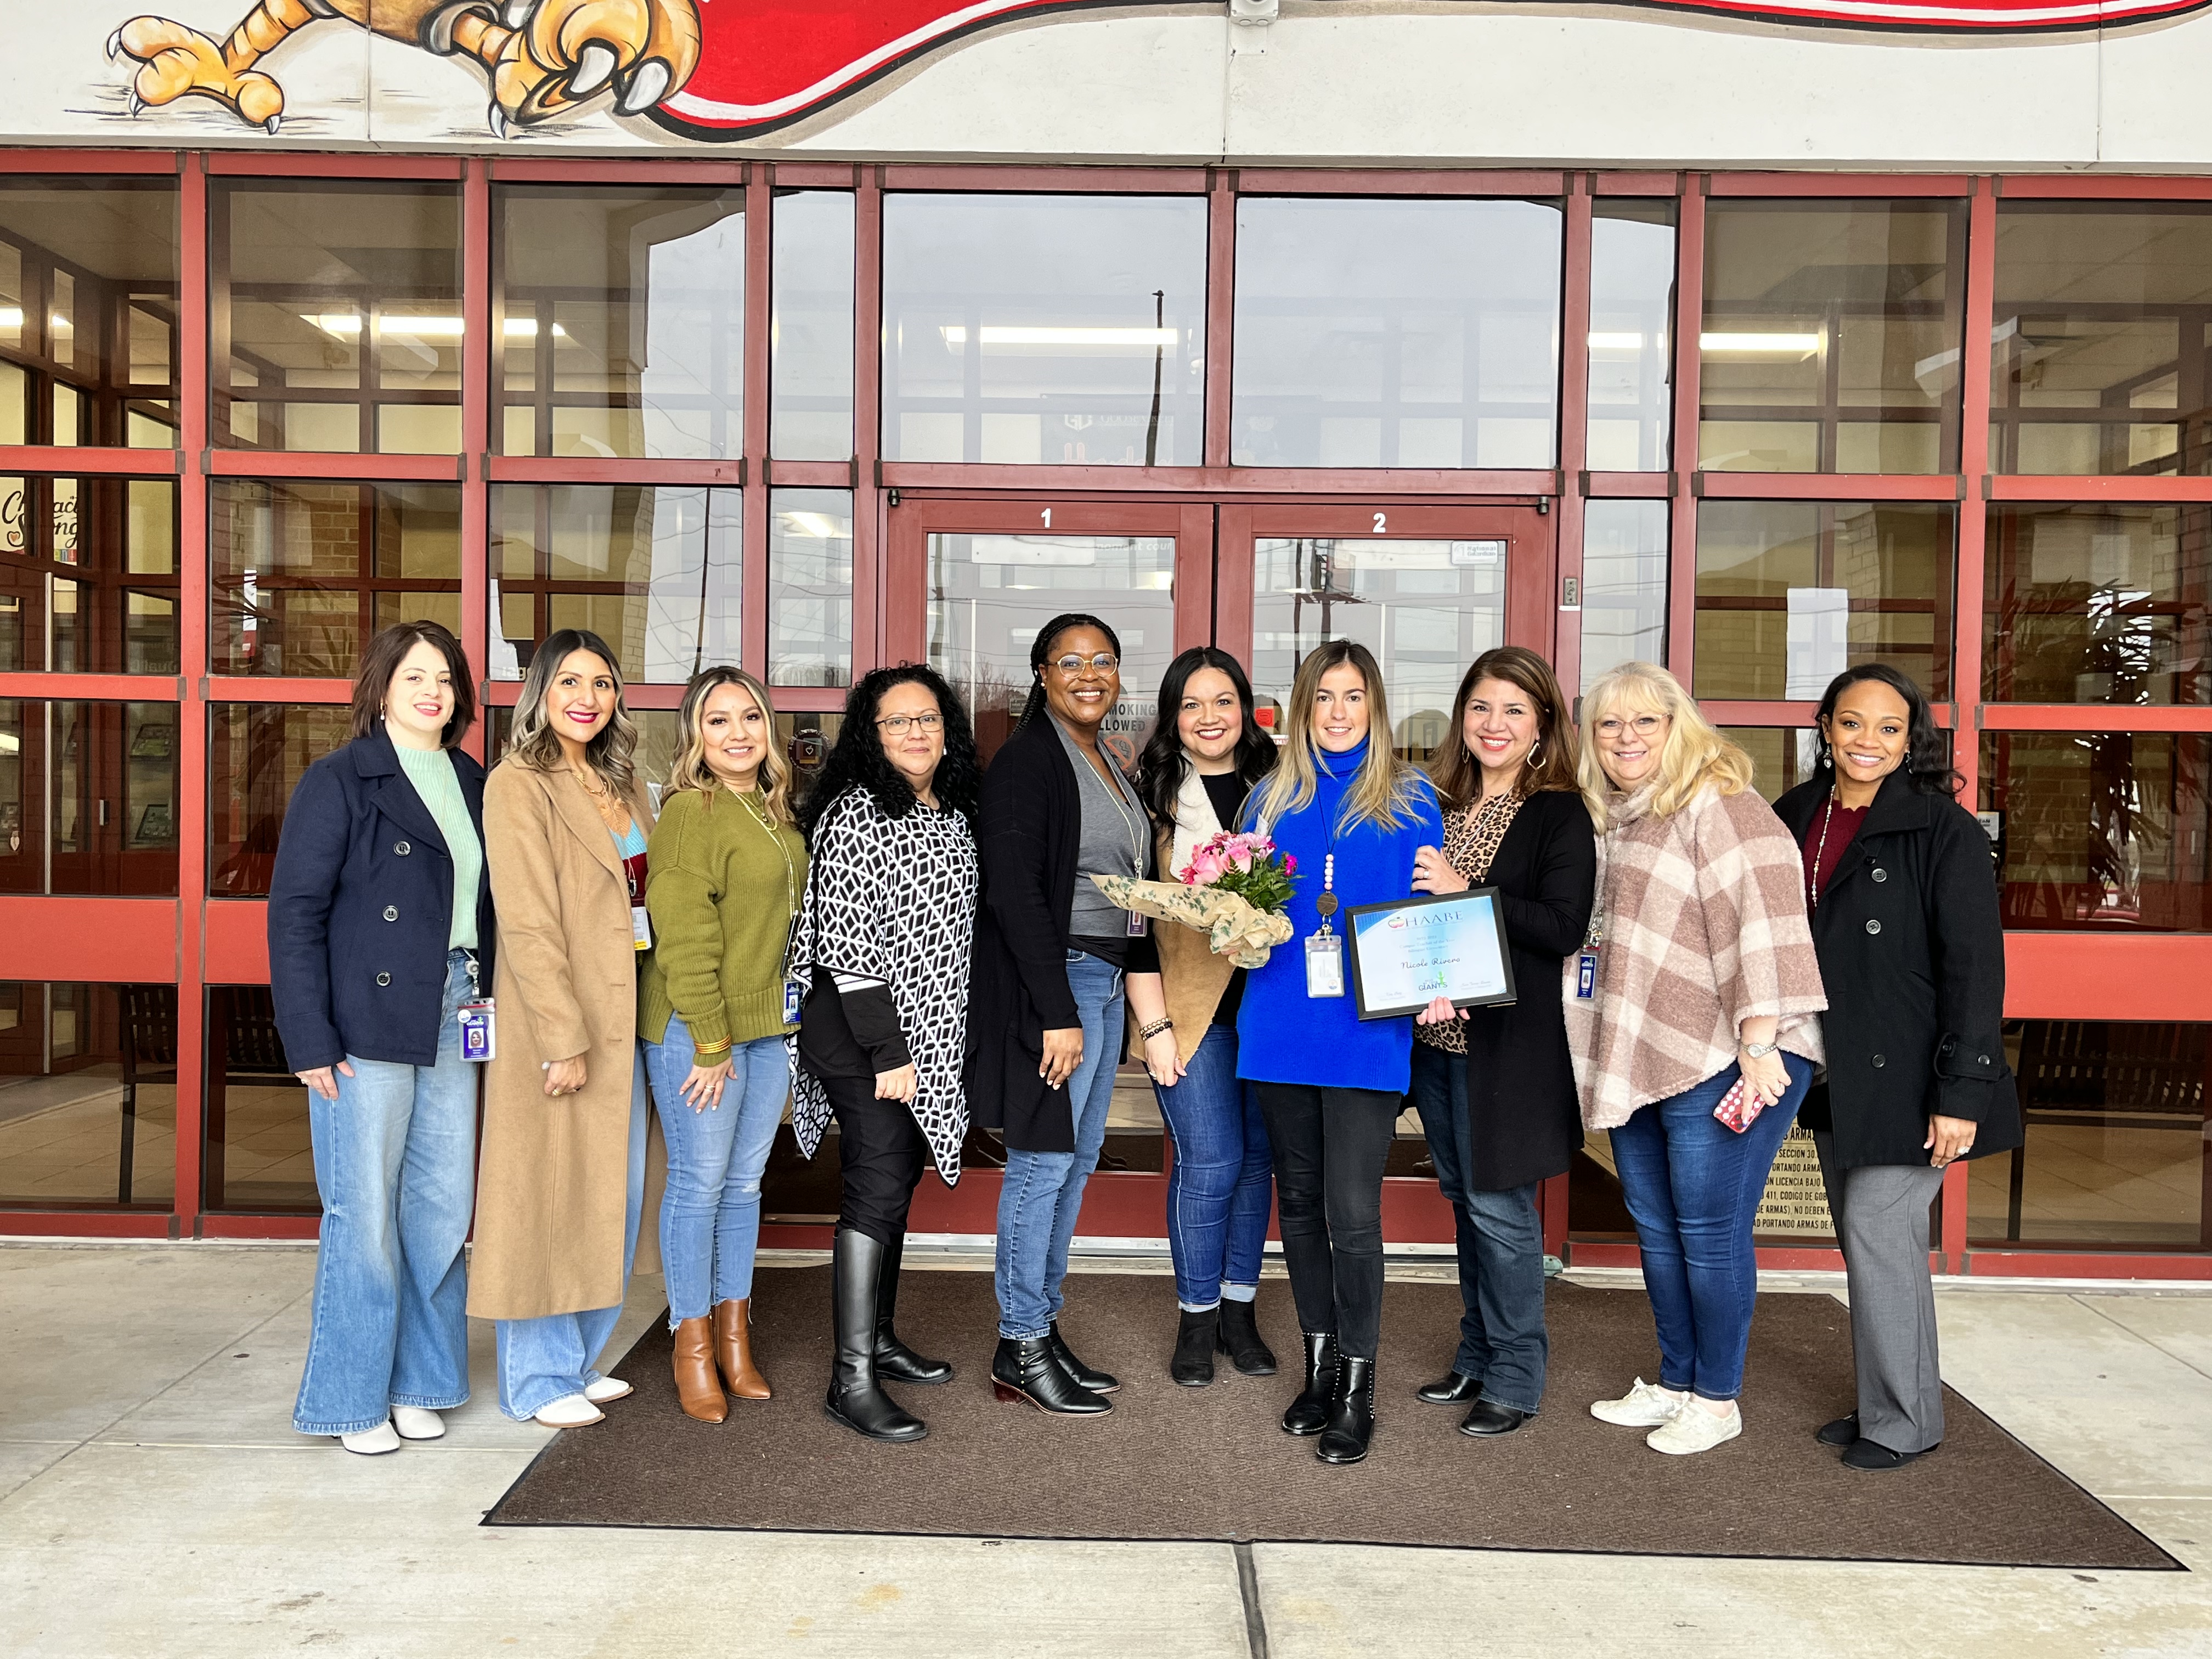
pixel 1405 955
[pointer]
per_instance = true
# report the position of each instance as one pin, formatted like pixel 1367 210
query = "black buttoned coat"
pixel 1911 949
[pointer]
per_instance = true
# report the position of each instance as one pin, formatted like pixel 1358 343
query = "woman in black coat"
pixel 1904 903
pixel 1496 1087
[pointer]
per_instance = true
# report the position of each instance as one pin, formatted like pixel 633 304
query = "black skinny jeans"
pixel 1330 1146
pixel 882 1154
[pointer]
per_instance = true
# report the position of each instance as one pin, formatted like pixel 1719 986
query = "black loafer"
pixel 1487 1417
pixel 1452 1389
pixel 1867 1456
pixel 1841 1432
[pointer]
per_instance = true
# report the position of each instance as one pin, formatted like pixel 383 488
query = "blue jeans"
pixel 395 1162
pixel 549 1358
pixel 710 1219
pixel 1042 1192
pixel 1222 1183
pixel 1502 1339
pixel 1692 1186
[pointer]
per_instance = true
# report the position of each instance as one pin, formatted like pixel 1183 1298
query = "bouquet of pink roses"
pixel 1233 890
pixel 1249 864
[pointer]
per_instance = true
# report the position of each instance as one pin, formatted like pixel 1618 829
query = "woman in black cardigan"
pixel 1904 902
pixel 1496 1087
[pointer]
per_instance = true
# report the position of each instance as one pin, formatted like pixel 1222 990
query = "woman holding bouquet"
pixel 1206 753
pixel 1357 818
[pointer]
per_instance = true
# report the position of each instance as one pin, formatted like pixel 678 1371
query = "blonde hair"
pixel 1693 755
pixel 532 740
pixel 690 770
pixel 1386 791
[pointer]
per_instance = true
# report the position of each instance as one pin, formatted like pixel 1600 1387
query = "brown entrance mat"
pixel 1212 1463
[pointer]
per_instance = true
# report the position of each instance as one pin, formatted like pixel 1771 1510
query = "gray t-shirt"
pixel 1116 840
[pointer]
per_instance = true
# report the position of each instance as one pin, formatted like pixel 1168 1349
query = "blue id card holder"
pixel 1586 975
pixel 479 1029
pixel 792 996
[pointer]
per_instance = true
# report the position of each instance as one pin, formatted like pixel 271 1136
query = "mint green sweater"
pixel 431 771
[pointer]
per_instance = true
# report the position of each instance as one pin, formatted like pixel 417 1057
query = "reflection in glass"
pixel 623 321
pixel 88 312
pixel 1396 333
pixel 652 569
pixel 256 1155
pixel 88 797
pixel 1781 757
pixel 1832 337
pixel 989 595
pixel 1630 333
pixel 811 328
pixel 1426 610
pixel 88 575
pixel 1064 329
pixel 807 737
pixel 810 587
pixel 259 754
pixel 2102 829
pixel 305 573
pixel 338 316
pixel 87 1094
pixel 2098 604
pixel 1624 585
pixel 2101 338
pixel 1791 593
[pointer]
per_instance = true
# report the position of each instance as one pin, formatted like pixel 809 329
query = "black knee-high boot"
pixel 894 1360
pixel 854 1398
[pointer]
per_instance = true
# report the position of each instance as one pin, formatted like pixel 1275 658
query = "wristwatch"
pixel 1757 1050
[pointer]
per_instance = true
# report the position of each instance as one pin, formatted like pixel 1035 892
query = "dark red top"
pixel 1842 825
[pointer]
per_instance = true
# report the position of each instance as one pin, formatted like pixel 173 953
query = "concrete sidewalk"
pixel 154 1501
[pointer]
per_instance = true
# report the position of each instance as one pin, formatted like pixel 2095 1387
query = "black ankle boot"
pixel 1309 1413
pixel 1351 1413
pixel 894 1360
pixel 1029 1369
pixel 1096 1382
pixel 1240 1340
pixel 1192 1364
pixel 855 1399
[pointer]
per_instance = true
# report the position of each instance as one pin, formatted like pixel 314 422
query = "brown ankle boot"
pixel 733 1348
pixel 696 1384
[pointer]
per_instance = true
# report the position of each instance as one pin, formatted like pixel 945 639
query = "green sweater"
pixel 431 771
pixel 721 886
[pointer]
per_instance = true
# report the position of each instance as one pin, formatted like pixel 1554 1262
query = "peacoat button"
pixel 1881 875
pixel 403 849
pixel 1873 926
pixel 391 913
pixel 1879 1063
pixel 384 979
pixel 1981 1059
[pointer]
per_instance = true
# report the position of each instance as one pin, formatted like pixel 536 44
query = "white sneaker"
pixel 1694 1429
pixel 417 1423
pixel 570 1411
pixel 607 1389
pixel 1645 1406
pixel 373 1443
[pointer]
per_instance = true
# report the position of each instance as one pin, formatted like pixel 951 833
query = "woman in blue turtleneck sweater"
pixel 1331 1084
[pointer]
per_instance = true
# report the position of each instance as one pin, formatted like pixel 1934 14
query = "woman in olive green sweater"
pixel 727 871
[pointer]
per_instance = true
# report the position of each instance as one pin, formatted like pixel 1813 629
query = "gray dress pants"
pixel 1881 1211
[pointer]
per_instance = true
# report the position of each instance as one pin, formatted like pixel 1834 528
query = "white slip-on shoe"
pixel 607 1389
pixel 1645 1406
pixel 373 1443
pixel 570 1411
pixel 417 1423
pixel 1694 1429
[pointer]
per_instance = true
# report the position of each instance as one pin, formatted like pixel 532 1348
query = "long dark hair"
pixel 1927 748
pixel 1163 767
pixel 1041 650
pixel 1456 773
pixel 857 760
pixel 381 661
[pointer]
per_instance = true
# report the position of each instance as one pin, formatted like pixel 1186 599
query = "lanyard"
pixel 790 887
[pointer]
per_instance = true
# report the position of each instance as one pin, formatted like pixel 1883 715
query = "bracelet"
pixel 709 1050
pixel 1148 1032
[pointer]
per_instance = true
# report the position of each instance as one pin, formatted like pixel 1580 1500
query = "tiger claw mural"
pixel 720 69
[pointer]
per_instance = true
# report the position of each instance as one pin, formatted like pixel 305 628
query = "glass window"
pixel 810 587
pixel 88 575
pixel 1624 585
pixel 87 1094
pixel 304 573
pixel 88 312
pixel 623 321
pixel 811 328
pixel 2104 830
pixel 1396 333
pixel 87 798
pixel 259 752
pixel 1631 380
pixel 2102 338
pixel 651 570
pixel 1426 610
pixel 1129 580
pixel 1791 593
pixel 808 737
pixel 2116 1149
pixel 256 1154
pixel 2098 604
pixel 1832 337
pixel 1064 329
pixel 338 316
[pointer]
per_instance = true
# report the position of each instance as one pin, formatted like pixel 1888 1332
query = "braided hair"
pixel 1041 652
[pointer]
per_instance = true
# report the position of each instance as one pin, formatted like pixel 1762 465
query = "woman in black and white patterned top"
pixel 881 951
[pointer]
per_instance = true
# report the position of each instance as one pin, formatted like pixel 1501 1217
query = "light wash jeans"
pixel 395 1162
pixel 1222 1187
pixel 710 1219
pixel 1042 1192
pixel 549 1358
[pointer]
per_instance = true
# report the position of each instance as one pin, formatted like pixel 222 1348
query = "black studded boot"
pixel 1309 1413
pixel 1351 1413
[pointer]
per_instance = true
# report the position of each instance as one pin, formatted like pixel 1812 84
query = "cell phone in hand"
pixel 1739 1109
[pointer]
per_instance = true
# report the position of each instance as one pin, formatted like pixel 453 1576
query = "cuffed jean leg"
pixel 761 1072
pixel 1253 1200
pixel 1205 1116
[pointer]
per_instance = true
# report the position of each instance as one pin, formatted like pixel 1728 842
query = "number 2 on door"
pixel 1382 523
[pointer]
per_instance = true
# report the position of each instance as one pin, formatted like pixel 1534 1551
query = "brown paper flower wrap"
pixel 1226 920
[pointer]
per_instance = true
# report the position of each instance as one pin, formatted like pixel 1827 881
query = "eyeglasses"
pixel 1105 662
pixel 898 724
pixel 1644 725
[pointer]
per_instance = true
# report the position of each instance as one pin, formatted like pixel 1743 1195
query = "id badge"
pixel 1324 965
pixel 479 1031
pixel 1136 924
pixel 641 928
pixel 793 995
pixel 1586 975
